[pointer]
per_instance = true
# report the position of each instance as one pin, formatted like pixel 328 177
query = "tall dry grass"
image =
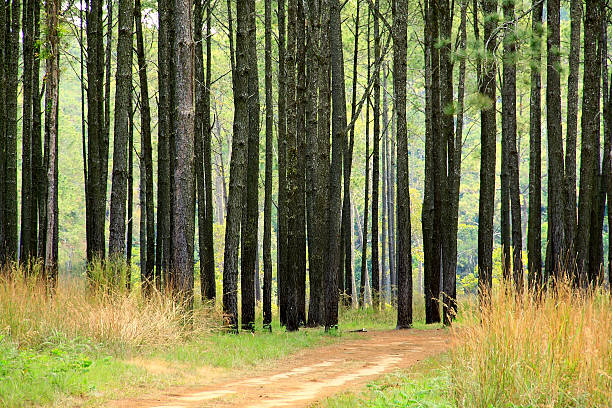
pixel 551 351
pixel 31 317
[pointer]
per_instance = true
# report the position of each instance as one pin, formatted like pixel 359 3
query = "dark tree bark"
pixel 10 138
pixel 366 184
pixel 108 57
pixel 449 300
pixel 123 91
pixel 238 164
pixel 404 247
pixel 183 211
pixel 292 271
pixel 385 191
pixel 162 254
pixel 282 166
pixel 130 188
pixel 572 131
pixel 391 210
pixel 300 100
pixel 39 178
pixel 96 149
pixel 376 288
pixel 335 170
pixel 312 69
pixel 346 230
pixel 250 212
pixel 316 311
pixel 487 157
pixel 267 238
pixel 25 248
pixel 51 109
pixel 534 235
pixel 198 14
pixel 210 291
pixel 4 55
pixel 509 134
pixel 589 162
pixel 147 153
pixel 556 240
pixel 435 170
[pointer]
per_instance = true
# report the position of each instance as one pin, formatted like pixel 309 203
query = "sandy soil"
pixel 310 375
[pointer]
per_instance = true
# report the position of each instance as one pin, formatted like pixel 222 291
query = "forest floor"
pixel 311 375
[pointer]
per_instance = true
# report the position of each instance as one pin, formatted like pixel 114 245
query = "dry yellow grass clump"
pixel 31 317
pixel 554 350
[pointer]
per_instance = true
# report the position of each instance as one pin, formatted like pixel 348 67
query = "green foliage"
pixel 426 385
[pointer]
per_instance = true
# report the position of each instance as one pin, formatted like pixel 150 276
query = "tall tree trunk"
pixel 449 303
pixel 147 153
pixel 301 160
pixel 119 192
pixel 386 287
pixel 51 109
pixel 209 250
pixel 10 152
pixel 487 157
pixel 38 172
pixel 238 163
pixel 366 184
pixel 590 137
pixel 130 189
pixel 250 212
pixel 267 238
pixel 25 248
pixel 556 240
pixel 376 288
pixel 163 152
pixel 391 210
pixel 312 69
pixel 316 310
pixel 435 171
pixel 293 243
pixel 4 55
pixel 534 234
pixel 346 230
pixel 96 159
pixel 183 211
pixel 509 129
pixel 572 131
pixel 198 14
pixel 404 247
pixel 604 176
pixel 335 170
pixel 282 166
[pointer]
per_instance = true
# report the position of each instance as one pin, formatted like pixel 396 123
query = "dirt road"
pixel 312 374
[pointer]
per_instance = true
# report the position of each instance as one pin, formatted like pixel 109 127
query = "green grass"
pixel 71 370
pixel 427 384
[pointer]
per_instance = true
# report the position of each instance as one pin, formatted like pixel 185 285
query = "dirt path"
pixel 312 374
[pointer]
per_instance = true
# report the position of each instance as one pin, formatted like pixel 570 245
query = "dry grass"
pixel 30 317
pixel 551 352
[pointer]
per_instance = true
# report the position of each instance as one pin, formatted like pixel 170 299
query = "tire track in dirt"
pixel 312 374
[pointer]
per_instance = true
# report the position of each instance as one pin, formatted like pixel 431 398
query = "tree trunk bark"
pixel 147 154
pixel 25 248
pixel 404 247
pixel 267 238
pixel 488 133
pixel 96 183
pixel 51 109
pixel 4 57
pixel 183 209
pixel 556 240
pixel 250 214
pixel 335 175
pixel 240 77
pixel 123 91
pixel 376 288
pixel 590 138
